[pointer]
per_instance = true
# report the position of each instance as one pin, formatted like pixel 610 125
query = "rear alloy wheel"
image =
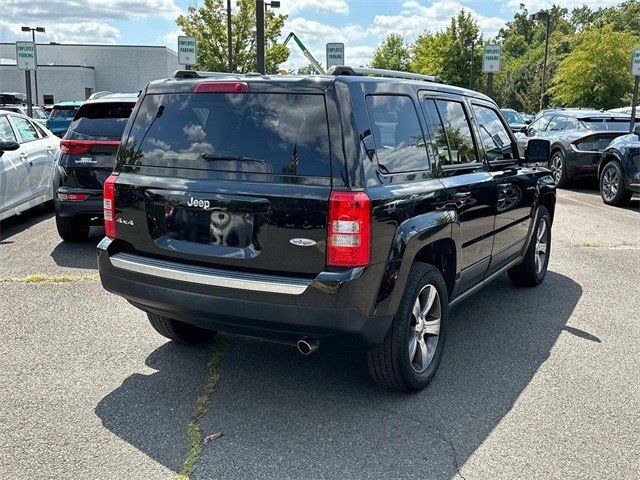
pixel 410 354
pixel 558 168
pixel 612 187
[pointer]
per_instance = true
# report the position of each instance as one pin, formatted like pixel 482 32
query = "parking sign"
pixel 491 58
pixel 26 55
pixel 187 54
pixel 635 63
pixel 335 54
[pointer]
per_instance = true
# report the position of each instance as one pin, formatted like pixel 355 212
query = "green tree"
pixel 596 73
pixel 448 54
pixel 208 24
pixel 391 54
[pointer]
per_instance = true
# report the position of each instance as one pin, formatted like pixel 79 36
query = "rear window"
pixel 64 112
pixel 101 121
pixel 284 134
pixel 607 125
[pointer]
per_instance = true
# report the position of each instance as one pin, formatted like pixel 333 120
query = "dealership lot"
pixel 534 383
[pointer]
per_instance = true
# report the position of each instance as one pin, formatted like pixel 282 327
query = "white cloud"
pixel 415 18
pixel 89 10
pixel 535 5
pixel 76 32
pixel 290 7
pixel 171 39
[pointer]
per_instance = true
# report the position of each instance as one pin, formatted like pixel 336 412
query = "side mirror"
pixel 636 130
pixel 8 147
pixel 537 151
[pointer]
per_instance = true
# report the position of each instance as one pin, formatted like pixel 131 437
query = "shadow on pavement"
pixel 79 254
pixel 18 223
pixel 288 416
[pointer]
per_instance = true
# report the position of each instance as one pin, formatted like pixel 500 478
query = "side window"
pixel 557 123
pixel 458 132
pixel 25 128
pixel 573 124
pixel 6 132
pixel 538 126
pixel 496 143
pixel 400 145
pixel 41 132
pixel 434 122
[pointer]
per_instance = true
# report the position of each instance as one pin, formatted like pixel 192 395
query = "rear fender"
pixel 411 237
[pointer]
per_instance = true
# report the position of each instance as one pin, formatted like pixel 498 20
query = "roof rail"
pixel 180 74
pixel 379 72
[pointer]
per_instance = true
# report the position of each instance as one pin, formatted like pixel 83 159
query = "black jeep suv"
pixel 88 155
pixel 339 209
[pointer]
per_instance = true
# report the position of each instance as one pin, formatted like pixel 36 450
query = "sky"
pixel 359 24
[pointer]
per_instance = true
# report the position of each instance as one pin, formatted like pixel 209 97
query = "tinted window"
pixel 458 132
pixel 496 142
pixel 559 123
pixel 25 128
pixel 262 133
pixel 102 121
pixel 439 143
pixel 6 132
pixel 64 112
pixel 396 130
pixel 512 117
pixel 609 125
pixel 539 125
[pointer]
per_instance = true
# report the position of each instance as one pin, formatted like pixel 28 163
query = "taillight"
pixel 349 236
pixel 222 87
pixel 80 147
pixel 109 206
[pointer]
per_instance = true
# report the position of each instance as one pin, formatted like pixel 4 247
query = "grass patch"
pixel 51 279
pixel 203 402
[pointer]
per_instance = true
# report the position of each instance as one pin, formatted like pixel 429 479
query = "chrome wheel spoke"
pixel 413 345
pixel 422 356
pixel 416 310
pixel 428 303
pixel 432 327
pixel 425 328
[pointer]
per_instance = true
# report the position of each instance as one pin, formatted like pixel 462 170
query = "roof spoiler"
pixel 182 74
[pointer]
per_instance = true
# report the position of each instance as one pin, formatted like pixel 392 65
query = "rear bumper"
pixel 258 305
pixel 91 207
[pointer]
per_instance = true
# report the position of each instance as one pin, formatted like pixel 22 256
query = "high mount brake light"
pixel 109 206
pixel 79 147
pixel 222 87
pixel 349 232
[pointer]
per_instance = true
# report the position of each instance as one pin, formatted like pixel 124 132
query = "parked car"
pixel 527 117
pixel 578 138
pixel 88 157
pixel 619 169
pixel 338 209
pixel 38 114
pixel 28 153
pixel 624 110
pixel 515 121
pixel 61 117
pixel 13 98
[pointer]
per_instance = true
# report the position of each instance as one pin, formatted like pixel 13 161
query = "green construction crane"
pixel 316 66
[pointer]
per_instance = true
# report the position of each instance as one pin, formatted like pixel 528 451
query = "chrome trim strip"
pixel 209 276
pixel 484 282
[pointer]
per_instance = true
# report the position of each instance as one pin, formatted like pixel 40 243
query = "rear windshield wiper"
pixel 213 158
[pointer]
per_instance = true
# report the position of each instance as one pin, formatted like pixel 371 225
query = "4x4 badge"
pixel 302 242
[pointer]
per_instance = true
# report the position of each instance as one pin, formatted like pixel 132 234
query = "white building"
pixel 75 71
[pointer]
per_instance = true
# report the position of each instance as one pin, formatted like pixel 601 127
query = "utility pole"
pixel 230 51
pixel 260 36
pixel 33 31
pixel 543 15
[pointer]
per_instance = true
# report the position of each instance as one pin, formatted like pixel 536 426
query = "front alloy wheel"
pixel 612 186
pixel 542 247
pixel 425 328
pixel 556 168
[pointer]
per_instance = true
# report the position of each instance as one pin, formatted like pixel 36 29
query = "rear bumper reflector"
pixel 209 276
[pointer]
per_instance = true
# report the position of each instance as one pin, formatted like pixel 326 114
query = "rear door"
pixel 235 180
pixel 30 152
pixel 91 143
pixel 470 187
pixel 515 185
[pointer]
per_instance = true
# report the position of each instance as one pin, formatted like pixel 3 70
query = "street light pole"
pixel 230 51
pixel 543 15
pixel 33 37
pixel 260 36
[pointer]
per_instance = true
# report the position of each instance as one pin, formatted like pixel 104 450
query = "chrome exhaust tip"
pixel 307 346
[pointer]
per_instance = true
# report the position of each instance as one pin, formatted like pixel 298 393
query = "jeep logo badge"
pixel 198 203
pixel 302 242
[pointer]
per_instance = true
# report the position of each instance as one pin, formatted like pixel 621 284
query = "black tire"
pixel 390 363
pixel 557 158
pixel 179 331
pixel 72 229
pixel 527 273
pixel 612 189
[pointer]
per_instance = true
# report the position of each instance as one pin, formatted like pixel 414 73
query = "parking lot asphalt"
pixel 534 383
